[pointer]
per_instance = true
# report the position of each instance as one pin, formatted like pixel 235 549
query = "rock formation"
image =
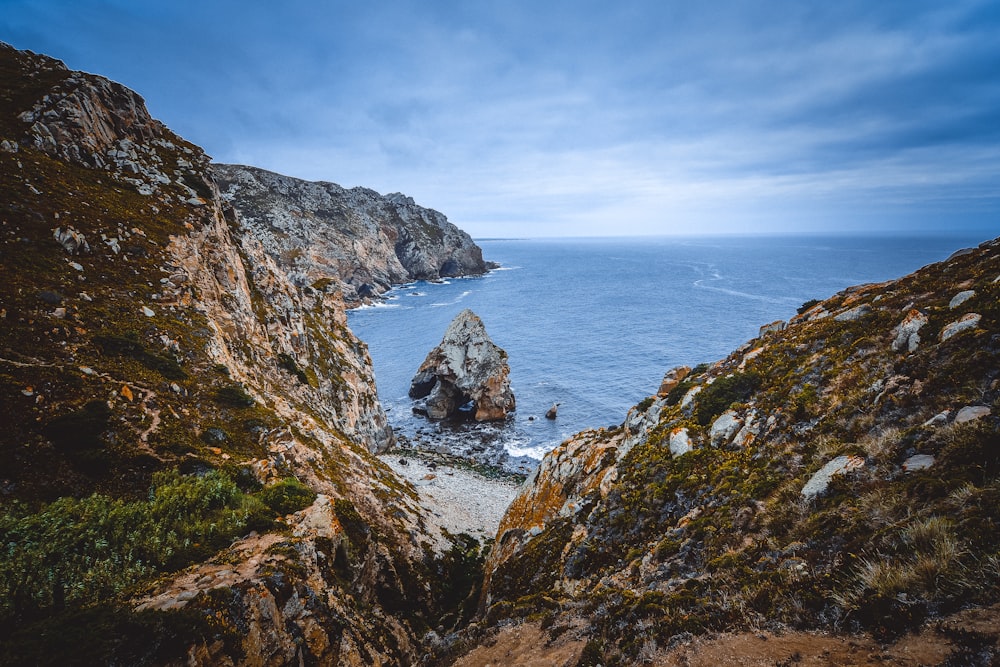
pixel 321 233
pixel 467 374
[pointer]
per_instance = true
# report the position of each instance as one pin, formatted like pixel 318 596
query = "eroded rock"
pixel 466 375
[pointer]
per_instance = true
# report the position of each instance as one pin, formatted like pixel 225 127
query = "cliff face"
pixel 361 240
pixel 841 471
pixel 154 354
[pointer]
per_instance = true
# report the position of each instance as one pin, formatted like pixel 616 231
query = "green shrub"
pixel 807 305
pixel 79 551
pixel 715 398
pixel 287 496
pixel 235 396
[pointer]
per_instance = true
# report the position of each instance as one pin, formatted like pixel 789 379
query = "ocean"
pixel 593 324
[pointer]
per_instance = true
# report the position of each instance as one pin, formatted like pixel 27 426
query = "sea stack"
pixel 466 376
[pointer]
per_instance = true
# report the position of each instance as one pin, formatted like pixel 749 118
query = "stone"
pixel 71 240
pixel 964 323
pixel 854 314
pixel 819 482
pixel 689 396
pixel 972 413
pixel 467 373
pixel 961 298
pixel 51 298
pixel 918 462
pixel 680 443
pixel 724 428
pixel 777 325
pixel 673 378
pixel 907 332
pixel 148 312
pixel 939 419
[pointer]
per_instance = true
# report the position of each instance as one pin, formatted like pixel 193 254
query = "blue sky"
pixel 534 118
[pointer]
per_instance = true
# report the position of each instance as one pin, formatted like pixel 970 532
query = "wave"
pixel 453 301
pixel 517 447
pixel 746 295
pixel 378 305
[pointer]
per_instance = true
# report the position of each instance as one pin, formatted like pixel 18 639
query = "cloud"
pixel 578 117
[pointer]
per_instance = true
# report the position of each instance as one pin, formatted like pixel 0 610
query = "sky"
pixel 578 118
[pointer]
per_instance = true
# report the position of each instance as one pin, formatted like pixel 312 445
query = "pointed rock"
pixel 467 373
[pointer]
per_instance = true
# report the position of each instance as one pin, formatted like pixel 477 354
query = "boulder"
pixel 680 442
pixel 840 465
pixel 961 298
pixel 724 428
pixel 777 325
pixel 907 336
pixel 967 321
pixel 854 314
pixel 673 378
pixel 466 375
pixel 971 413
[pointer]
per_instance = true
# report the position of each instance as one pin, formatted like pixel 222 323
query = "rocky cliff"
pixel 186 451
pixel 840 473
pixel 322 234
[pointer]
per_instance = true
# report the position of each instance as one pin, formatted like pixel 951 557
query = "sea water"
pixel 593 324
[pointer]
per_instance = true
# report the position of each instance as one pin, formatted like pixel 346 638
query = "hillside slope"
pixel 838 473
pixel 186 451
pixel 321 232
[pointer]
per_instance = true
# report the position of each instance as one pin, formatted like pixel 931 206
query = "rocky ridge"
pixel 466 373
pixel 839 473
pixel 321 233
pixel 156 361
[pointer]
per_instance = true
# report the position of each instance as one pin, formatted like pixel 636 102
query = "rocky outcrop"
pixel 358 239
pixel 466 376
pixel 802 481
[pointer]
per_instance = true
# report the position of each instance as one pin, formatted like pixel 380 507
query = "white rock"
pixel 938 419
pixel 689 396
pixel 724 428
pixel 148 312
pixel 777 325
pixel 680 443
pixel 967 321
pixel 819 482
pixel 918 462
pixel 907 334
pixel 961 298
pixel 971 413
pixel 853 314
